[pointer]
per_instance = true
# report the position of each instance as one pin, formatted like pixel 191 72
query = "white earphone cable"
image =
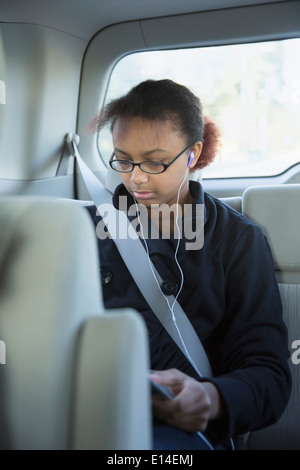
pixel 171 307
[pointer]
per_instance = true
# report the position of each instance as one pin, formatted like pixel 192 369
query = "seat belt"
pixel 131 249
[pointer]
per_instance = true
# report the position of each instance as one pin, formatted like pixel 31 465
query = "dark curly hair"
pixel 161 100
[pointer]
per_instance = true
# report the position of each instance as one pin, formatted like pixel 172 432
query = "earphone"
pixel 191 158
pixel 171 307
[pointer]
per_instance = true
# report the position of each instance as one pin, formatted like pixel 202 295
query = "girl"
pixel 226 286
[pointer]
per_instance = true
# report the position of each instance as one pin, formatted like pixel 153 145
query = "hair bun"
pixel 211 144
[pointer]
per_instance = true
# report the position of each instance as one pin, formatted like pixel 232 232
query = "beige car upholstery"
pixel 277 210
pixel 75 376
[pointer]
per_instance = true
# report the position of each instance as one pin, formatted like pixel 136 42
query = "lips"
pixel 142 194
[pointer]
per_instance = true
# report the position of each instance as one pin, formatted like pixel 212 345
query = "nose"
pixel 138 176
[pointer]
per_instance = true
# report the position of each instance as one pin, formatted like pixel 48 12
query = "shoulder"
pixel 230 231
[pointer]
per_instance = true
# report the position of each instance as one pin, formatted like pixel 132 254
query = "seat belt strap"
pixel 131 250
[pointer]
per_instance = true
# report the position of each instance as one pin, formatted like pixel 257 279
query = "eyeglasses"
pixel 126 166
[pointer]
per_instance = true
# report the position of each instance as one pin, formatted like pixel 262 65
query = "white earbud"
pixel 191 158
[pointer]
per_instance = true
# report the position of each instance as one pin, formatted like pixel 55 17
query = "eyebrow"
pixel 145 154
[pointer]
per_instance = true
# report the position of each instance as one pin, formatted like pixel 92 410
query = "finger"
pixel 192 397
pixel 192 418
pixel 163 409
pixel 189 410
pixel 168 377
pixel 189 422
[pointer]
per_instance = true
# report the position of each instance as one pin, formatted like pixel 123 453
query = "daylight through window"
pixel 252 91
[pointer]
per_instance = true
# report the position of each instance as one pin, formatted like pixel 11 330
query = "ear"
pixel 196 149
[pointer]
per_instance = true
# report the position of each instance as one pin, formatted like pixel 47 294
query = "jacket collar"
pixel 157 244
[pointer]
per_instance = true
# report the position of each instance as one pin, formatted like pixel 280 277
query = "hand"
pixel 193 405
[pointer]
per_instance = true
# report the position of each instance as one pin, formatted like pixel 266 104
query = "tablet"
pixel 157 389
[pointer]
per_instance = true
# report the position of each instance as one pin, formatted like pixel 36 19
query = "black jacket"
pixel 231 297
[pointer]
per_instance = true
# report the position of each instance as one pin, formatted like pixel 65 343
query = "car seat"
pixel 276 209
pixel 75 375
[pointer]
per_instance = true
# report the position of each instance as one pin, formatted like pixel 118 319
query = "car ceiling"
pixel 83 18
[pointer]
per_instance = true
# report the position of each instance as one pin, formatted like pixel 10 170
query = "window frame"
pixel 209 28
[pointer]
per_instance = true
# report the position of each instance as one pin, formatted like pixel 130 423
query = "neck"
pixel 164 216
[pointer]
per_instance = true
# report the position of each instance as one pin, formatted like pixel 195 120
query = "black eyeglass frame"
pixel 165 165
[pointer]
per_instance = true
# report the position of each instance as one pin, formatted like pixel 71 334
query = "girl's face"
pixel 138 139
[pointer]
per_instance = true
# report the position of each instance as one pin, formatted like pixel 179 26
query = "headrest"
pixel 50 286
pixel 234 202
pixel 276 209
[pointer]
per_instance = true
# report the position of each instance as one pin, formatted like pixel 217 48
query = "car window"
pixel 252 91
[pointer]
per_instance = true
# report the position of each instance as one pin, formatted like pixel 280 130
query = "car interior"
pixel 73 376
